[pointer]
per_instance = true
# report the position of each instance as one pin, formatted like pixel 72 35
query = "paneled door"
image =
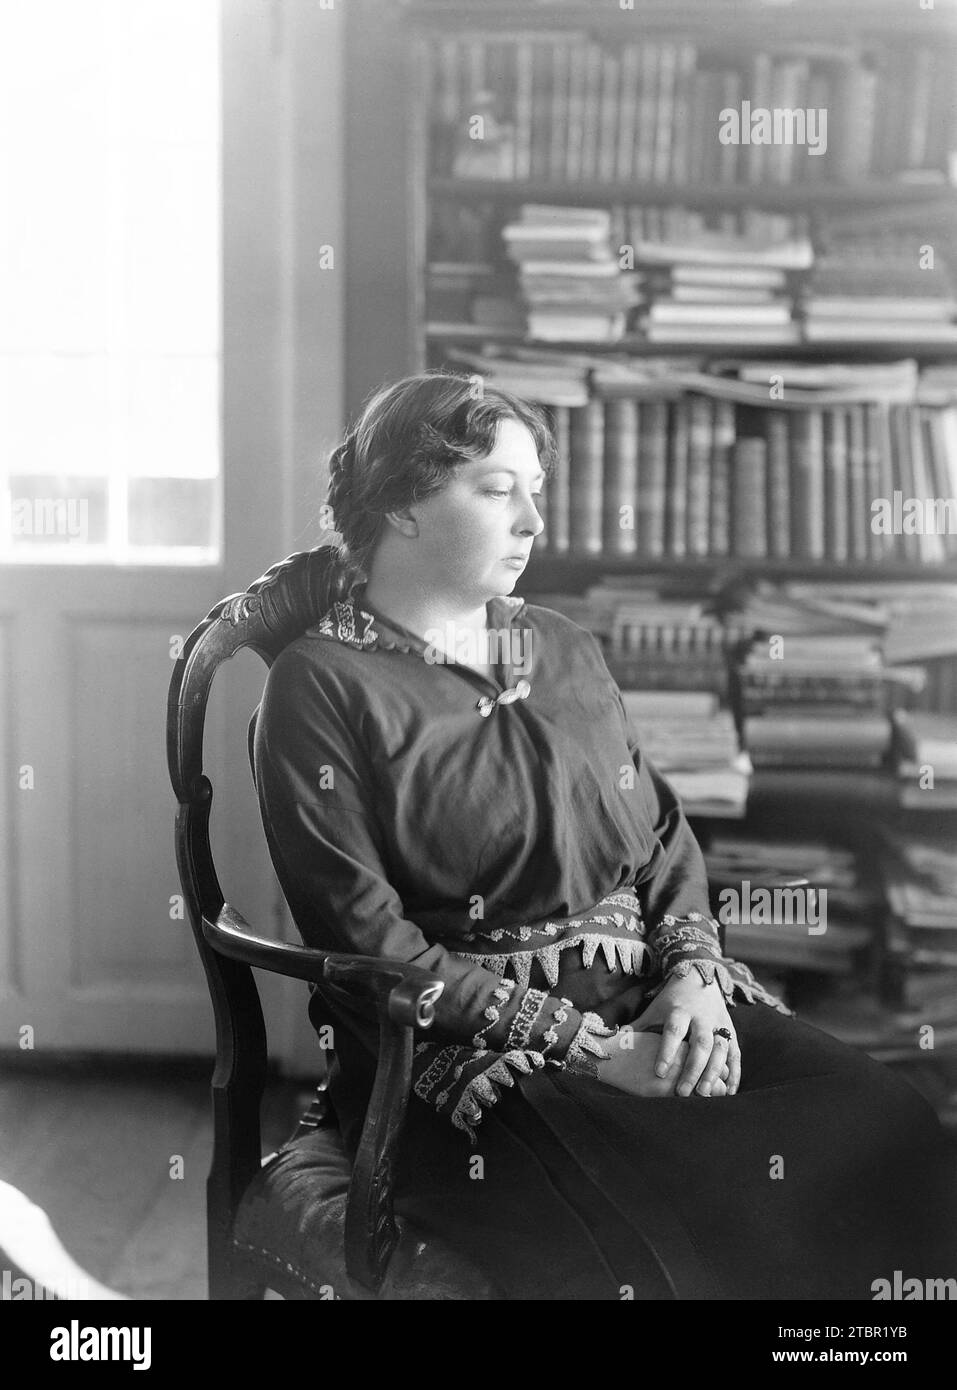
pixel 169 379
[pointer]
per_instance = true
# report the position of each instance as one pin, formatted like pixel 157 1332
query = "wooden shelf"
pixel 784 197
pixel 635 346
pixel 754 22
pixel 571 573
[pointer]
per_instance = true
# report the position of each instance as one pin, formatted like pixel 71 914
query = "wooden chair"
pixel 267 1220
pixel 367 1254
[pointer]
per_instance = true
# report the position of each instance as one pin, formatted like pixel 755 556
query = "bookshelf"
pixel 640 84
pixel 545 66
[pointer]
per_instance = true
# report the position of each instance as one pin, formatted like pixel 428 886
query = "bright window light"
pixel 110 282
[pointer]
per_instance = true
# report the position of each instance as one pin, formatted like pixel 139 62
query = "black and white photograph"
pixel 478 666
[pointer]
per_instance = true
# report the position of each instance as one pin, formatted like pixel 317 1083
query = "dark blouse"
pixel 509 837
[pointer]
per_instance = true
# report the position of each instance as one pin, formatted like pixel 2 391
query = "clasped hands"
pixel 687 1056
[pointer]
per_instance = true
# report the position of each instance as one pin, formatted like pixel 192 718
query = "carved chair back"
pixel 287 600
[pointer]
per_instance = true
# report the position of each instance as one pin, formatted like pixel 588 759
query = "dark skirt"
pixel 825 1173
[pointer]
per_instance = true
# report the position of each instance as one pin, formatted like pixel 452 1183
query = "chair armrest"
pixel 404 996
pixel 408 992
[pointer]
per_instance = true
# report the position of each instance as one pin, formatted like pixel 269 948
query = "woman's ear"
pixel 403 521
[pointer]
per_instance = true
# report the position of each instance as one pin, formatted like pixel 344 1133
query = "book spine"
pixel 628 119
pixel 723 437
pixel 585 491
pixel 858 506
pixel 929 542
pixel 619 491
pixel 700 439
pixel 731 164
pixel 943 474
pixel 815 170
pixel 683 111
pixel 755 139
pixel 652 477
pixel 645 147
pixel 609 116
pixel 807 484
pixel 703 140
pixel 749 492
pixel 878 473
pixel 919 112
pixel 540 137
pixel 558 486
pixel 677 486
pixel 665 115
pixel 575 113
pixel 906 545
pixel 788 84
pixel 560 111
pixel 835 484
pixel 524 65
pixel 591 111
pixel 846 142
pixel 779 484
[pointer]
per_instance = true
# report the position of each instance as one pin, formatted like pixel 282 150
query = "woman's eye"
pixel 497 492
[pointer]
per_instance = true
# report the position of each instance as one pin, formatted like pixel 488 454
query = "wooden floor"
pixel 94 1148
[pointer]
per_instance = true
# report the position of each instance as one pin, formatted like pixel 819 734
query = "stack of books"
pixel 720 287
pixel 571 283
pixel 878 295
pixel 819 703
pixel 925 745
pixel 694 742
pixel 919 869
pixel 919 622
pixel 658 637
pixel 653 638
pixel 781 928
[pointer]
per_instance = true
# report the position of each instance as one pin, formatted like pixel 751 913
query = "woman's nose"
pixel 531 522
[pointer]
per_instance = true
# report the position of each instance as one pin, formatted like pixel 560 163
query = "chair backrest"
pixel 281 605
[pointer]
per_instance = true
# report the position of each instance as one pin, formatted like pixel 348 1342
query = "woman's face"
pixel 475 536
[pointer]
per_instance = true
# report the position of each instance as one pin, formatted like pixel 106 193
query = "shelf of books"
pixel 718 245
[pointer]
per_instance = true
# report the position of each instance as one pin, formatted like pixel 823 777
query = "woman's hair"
pixel 404 447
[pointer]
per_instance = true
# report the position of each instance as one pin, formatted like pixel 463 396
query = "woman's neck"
pixel 421 610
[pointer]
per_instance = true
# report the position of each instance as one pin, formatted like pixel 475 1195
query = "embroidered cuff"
pixel 493 1012
pixel 524 1021
pixel 530 1020
pixel 678 939
pixel 683 944
pixel 585 1047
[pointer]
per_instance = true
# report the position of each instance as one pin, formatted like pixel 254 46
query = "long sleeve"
pixel 317 789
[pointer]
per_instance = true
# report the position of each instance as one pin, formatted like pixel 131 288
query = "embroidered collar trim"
pixel 347 621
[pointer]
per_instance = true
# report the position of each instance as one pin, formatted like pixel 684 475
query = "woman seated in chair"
pixel 450 779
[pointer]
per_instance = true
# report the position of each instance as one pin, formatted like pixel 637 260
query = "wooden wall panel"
pixel 123 868
pixel 11 978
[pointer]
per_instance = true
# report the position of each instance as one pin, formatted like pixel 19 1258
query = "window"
pixel 110 282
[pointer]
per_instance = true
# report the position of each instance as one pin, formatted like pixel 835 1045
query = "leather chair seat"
pixel 291 1219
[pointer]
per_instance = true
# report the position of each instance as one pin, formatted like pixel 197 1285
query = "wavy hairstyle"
pixel 403 448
